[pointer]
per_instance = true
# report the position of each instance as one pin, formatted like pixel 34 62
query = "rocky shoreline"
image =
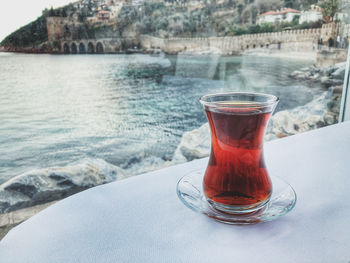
pixel 321 111
pixel 28 193
pixel 46 185
pixel 327 76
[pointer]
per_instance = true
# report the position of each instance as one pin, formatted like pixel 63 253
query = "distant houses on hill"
pixel 314 14
pixel 288 15
pixel 283 15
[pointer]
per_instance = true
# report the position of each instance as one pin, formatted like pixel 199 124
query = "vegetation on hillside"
pixel 65 11
pixel 172 19
pixel 229 18
pixel 330 8
pixel 28 36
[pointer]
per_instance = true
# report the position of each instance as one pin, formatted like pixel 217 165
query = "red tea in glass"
pixel 236 179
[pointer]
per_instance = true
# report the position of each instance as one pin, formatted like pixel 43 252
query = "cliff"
pixel 29 37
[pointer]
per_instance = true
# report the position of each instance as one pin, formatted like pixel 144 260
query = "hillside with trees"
pixel 227 18
pixel 30 35
pixel 173 18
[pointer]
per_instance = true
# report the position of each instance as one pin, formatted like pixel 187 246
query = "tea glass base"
pixel 237 210
pixel 190 192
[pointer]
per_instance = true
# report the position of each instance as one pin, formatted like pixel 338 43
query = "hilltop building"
pixel 283 15
pixel 312 15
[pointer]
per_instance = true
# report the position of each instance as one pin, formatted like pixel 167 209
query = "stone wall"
pixel 150 42
pixel 54 27
pixel 327 58
pixel 289 41
pixel 293 40
pixel 304 40
pixel 59 28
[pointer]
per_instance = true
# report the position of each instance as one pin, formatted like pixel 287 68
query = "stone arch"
pixel 66 48
pixel 99 48
pixel 82 48
pixel 91 48
pixel 73 48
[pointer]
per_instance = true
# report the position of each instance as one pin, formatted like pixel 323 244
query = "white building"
pixel 268 17
pixel 312 15
pixel 284 15
pixel 342 17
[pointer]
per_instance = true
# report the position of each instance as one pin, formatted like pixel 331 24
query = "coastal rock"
pixel 45 185
pixel 11 219
pixel 194 144
pixel 328 82
pixel 328 76
pixel 339 73
pixel 322 111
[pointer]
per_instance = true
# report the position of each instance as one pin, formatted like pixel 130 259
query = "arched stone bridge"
pixel 95 46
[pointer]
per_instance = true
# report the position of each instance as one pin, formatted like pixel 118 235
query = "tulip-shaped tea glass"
pixel 236 181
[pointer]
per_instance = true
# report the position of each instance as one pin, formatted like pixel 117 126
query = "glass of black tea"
pixel 236 180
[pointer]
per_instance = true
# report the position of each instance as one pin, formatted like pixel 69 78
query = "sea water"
pixel 129 110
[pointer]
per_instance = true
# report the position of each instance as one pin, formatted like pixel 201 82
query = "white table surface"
pixel 140 219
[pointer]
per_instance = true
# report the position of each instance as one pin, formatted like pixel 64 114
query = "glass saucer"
pixel 283 199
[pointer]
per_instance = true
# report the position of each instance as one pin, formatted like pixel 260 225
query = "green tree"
pixel 330 8
pixel 28 36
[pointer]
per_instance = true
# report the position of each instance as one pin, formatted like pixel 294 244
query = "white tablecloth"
pixel 140 219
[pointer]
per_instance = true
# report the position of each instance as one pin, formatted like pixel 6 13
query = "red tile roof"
pixel 283 11
pixel 289 10
pixel 269 13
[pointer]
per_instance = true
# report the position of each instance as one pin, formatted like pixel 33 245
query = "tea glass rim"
pixel 270 100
